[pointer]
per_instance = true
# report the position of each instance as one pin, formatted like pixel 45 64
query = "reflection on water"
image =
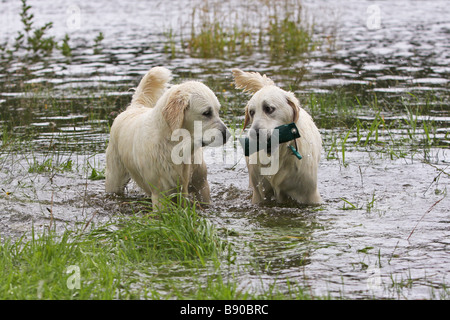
pixel 62 111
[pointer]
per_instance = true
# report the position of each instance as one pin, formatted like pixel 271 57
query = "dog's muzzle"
pixel 217 138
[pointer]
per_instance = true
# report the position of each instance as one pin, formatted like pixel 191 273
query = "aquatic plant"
pixel 288 34
pixel 125 260
pixel 48 166
pixel 217 32
pixel 106 255
pixel 212 37
pixel 36 42
pixel 370 125
pixel 35 39
pixel 98 43
pixel 66 50
pixel 53 137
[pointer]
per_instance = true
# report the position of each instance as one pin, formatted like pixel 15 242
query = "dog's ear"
pixel 173 111
pixel 246 119
pixel 250 81
pixel 295 105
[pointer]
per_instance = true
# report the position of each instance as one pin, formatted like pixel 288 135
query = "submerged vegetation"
pixel 109 259
pixel 127 259
pixel 398 129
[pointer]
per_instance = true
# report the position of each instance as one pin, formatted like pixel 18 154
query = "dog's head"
pixel 269 107
pixel 192 106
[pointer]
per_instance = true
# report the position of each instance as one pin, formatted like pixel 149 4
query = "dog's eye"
pixel 207 113
pixel 252 113
pixel 268 109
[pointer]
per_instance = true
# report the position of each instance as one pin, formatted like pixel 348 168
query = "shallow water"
pixel 388 246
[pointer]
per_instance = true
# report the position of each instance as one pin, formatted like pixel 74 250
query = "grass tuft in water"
pixel 133 257
pixel 48 166
pixel 175 232
pixel 288 33
pixel 371 124
pixel 98 43
pixel 36 38
pixel 218 31
pixel 36 42
pixel 103 263
pixel 214 37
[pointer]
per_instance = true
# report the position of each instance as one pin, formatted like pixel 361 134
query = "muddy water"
pixel 393 243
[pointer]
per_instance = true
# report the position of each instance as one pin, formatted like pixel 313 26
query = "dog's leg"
pixel 281 196
pixel 155 201
pixel 312 198
pixel 257 186
pixel 315 198
pixel 265 189
pixel 116 174
pixel 199 185
pixel 254 181
pixel 306 195
pixel 256 197
pixel 204 194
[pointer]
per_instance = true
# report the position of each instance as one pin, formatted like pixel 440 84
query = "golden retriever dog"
pixel 268 108
pixel 157 141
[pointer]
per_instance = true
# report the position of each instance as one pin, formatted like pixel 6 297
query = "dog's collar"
pixel 281 134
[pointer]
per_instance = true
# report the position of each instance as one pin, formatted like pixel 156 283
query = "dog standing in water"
pixel 268 108
pixel 145 139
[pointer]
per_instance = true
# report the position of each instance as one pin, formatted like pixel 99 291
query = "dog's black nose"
pixel 216 137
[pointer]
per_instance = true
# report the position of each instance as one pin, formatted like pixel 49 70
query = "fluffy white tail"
pixel 250 81
pixel 151 87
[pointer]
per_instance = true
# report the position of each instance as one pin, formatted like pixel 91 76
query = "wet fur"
pixel 295 179
pixel 140 143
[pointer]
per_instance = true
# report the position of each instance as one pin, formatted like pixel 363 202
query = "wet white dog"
pixel 268 108
pixel 157 141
